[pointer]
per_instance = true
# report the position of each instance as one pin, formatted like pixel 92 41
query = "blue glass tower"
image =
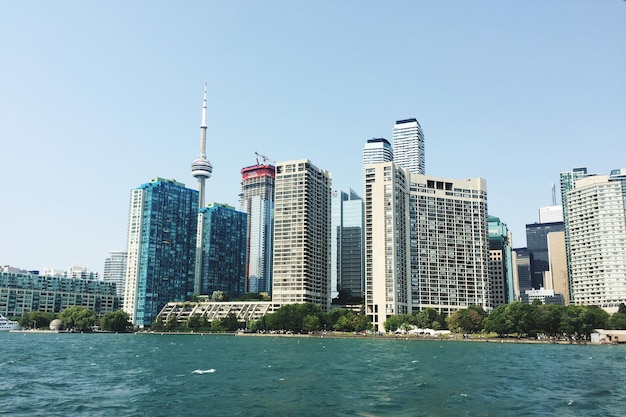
pixel 161 248
pixel 223 250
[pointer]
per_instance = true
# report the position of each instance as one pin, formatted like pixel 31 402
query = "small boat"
pixel 6 324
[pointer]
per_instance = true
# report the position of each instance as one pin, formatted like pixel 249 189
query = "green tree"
pixel 392 323
pixel 311 323
pixel 230 323
pixel 172 323
pixel 157 325
pixel 78 318
pixel 116 321
pixel 36 319
pixel 549 318
pixel 617 321
pixel 498 322
pixel 522 318
pixel 194 323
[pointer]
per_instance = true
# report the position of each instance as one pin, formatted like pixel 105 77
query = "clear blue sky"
pixel 96 98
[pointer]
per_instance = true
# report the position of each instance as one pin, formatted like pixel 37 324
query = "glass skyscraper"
pixel 500 262
pixel 161 248
pixel 257 200
pixel 537 245
pixel 347 261
pixel 115 270
pixel 408 146
pixel 223 250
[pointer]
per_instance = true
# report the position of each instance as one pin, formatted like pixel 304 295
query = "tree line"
pixel 78 318
pixel 516 318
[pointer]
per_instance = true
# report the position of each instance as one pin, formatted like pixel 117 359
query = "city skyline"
pixel 500 91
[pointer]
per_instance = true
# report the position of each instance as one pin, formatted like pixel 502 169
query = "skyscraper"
pixel 115 270
pixel 596 213
pixel 377 150
pixel 302 224
pixel 224 250
pixel 557 277
pixel 257 200
pixel 347 262
pixel 524 275
pixel 500 262
pixel 568 180
pixel 201 169
pixel 408 146
pixel 161 248
pixel 537 244
pixel 426 243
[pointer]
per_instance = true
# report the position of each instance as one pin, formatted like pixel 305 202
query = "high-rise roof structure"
pixel 161 248
pixel 551 214
pixel 224 250
pixel 426 243
pixel 115 270
pixel 257 200
pixel 596 213
pixel 408 146
pixel 377 150
pixel 302 223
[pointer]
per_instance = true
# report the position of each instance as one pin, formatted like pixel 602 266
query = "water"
pixel 193 375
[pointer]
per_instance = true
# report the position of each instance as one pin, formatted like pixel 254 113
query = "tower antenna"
pixel 201 168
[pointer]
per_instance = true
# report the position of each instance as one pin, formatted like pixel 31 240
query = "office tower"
pixel 377 150
pixel 161 248
pixel 426 243
pixel 568 180
pixel 302 220
pixel 115 270
pixel 524 275
pixel 347 262
pixel 201 169
pixel 551 214
pixel 224 250
pixel 500 262
pixel 257 200
pixel 408 146
pixel 558 265
pixel 596 212
pixel 537 244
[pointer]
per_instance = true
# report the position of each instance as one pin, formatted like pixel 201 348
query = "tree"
pixel 617 321
pixel 498 322
pixel 36 319
pixel 392 323
pixel 467 319
pixel 230 323
pixel 78 318
pixel 549 318
pixel 116 321
pixel 311 323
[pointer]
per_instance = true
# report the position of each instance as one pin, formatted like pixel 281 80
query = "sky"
pixel 97 98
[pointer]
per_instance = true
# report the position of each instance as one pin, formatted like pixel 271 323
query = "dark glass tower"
pixel 537 244
pixel 161 248
pixel 223 250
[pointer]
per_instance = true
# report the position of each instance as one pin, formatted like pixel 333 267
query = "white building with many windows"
pixel 408 146
pixel 426 243
pixel 597 236
pixel 302 223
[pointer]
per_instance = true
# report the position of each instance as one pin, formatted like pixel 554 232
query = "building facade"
pixel 426 243
pixel 347 261
pixel 302 230
pixel 161 248
pixel 596 212
pixel 500 262
pixel 22 292
pixel 115 270
pixel 257 200
pixel 537 245
pixel 408 146
pixel 223 250
pixel 377 150
pixel 557 278
pixel 524 274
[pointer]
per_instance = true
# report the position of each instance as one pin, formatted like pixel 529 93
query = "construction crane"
pixel 265 159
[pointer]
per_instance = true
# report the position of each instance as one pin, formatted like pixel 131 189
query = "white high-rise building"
pixel 302 223
pixel 597 235
pixel 551 214
pixel 426 243
pixel 377 150
pixel 408 146
pixel 115 270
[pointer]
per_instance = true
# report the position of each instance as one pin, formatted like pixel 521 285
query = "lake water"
pixel 194 375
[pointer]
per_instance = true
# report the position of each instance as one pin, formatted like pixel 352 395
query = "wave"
pixel 203 371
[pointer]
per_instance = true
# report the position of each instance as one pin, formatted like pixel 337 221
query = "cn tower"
pixel 201 167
